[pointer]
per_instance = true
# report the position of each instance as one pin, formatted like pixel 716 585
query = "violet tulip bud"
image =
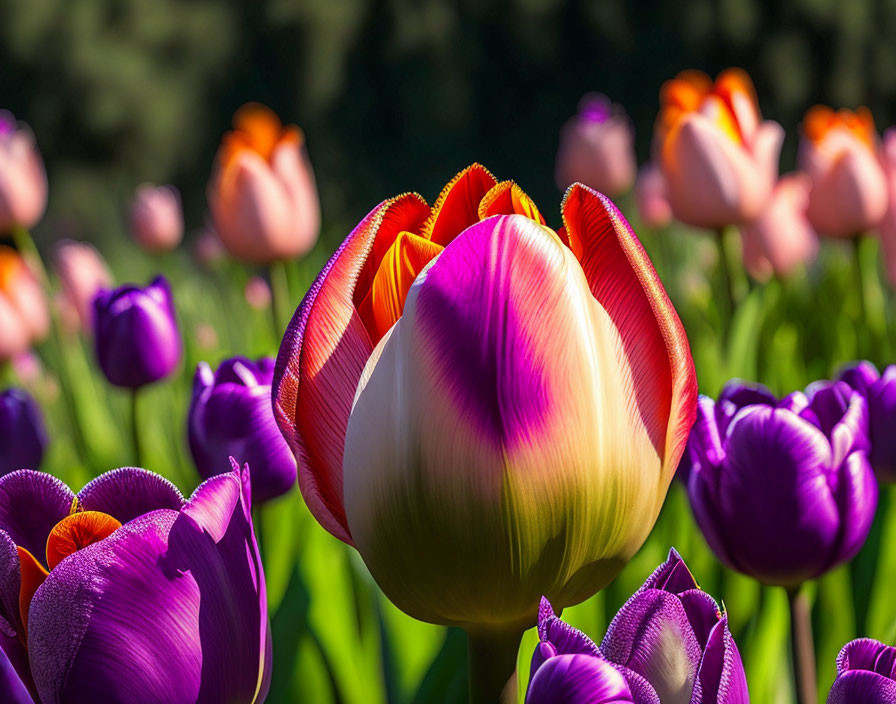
pixel 82 271
pixel 231 416
pixel 157 221
pixel 783 491
pixel 669 642
pixel 22 433
pixel 136 337
pixel 866 674
pixel 126 593
pixel 23 181
pixel 879 391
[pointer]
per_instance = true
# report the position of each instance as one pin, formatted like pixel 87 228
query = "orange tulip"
pixel 24 319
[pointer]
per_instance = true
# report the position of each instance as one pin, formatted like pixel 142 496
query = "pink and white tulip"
pixel 23 181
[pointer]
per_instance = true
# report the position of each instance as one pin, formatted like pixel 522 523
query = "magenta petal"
pixel 868 654
pixel 12 689
pixel 722 677
pixel 31 503
pixel 578 679
pixel 862 687
pixel 129 492
pixel 672 576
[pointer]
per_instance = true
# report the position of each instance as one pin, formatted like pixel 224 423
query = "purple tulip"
pixel 22 433
pixel 866 674
pixel 231 416
pixel 879 391
pixel 669 642
pixel 137 341
pixel 126 593
pixel 783 491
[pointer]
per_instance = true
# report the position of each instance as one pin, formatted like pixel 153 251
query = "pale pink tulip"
pixel 839 150
pixel 718 159
pixel 207 248
pixel 262 195
pixel 23 181
pixel 650 197
pixel 82 271
pixel 597 148
pixel 888 224
pixel 258 293
pixel 157 220
pixel 781 239
pixel 24 319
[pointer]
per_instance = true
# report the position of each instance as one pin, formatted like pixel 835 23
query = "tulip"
pixel 207 248
pixel 262 195
pixel 783 491
pixel 888 224
pixel 866 674
pixel 23 182
pixel 136 336
pixel 257 293
pixel 597 148
pixel 781 238
pixel 718 159
pixel 231 416
pixel 157 221
pixel 669 642
pixel 839 152
pixel 22 433
pixel 82 271
pixel 650 198
pixel 126 593
pixel 519 407
pixel 24 319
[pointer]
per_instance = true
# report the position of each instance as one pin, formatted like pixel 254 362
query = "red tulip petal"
pixel 457 207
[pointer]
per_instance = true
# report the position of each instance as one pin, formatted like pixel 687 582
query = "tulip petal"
pixel 624 282
pixel 578 679
pixel 856 495
pixel 867 654
pixel 129 492
pixel 31 503
pixel 672 576
pixel 722 676
pixel 10 582
pixel 12 688
pixel 861 686
pixel 507 198
pixel 321 359
pixel 457 206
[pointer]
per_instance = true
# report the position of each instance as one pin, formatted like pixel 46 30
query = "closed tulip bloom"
pixel 23 181
pixel 670 642
pixel 231 416
pixel 879 391
pixel 262 195
pixel 157 220
pixel 783 491
pixel 650 197
pixel 136 337
pixel 462 391
pixel 839 151
pixel 127 593
pixel 24 318
pixel 82 272
pixel 597 148
pixel 781 238
pixel 866 674
pixel 22 433
pixel 718 158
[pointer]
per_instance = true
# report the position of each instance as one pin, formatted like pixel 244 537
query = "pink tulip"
pixel 597 148
pixel 157 221
pixel 24 319
pixel 82 271
pixel 719 160
pixel 23 181
pixel 781 238
pixel 650 197
pixel 257 293
pixel 262 195
pixel 839 151
pixel 207 248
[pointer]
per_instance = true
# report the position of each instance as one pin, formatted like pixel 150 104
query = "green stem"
pixel 802 646
pixel 727 279
pixel 135 429
pixel 859 283
pixel 279 295
pixel 492 658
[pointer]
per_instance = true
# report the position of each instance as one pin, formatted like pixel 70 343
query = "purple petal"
pixel 862 687
pixel 672 576
pixel 31 503
pixel 739 394
pixel 722 677
pixel 23 435
pixel 129 492
pixel 882 419
pixel 703 495
pixel 12 689
pixel 856 494
pixel 859 375
pixel 867 654
pixel 578 679
pixel 10 582
pixel 705 440
pixel 703 613
pixel 842 416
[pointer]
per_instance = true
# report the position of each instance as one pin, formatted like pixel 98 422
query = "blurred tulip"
pixel 597 148
pixel 136 337
pixel 205 335
pixel 669 643
pixel 125 593
pixel 879 392
pixel 23 182
pixel 157 221
pixel 718 159
pixel 650 197
pixel 22 433
pixel 262 194
pixel 24 319
pixel 866 674
pixel 839 151
pixel 783 491
pixel 231 416
pixel 82 272
pixel 208 249
pixel 888 224
pixel 528 387
pixel 781 238
pixel 257 293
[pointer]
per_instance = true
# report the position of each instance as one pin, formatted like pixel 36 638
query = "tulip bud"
pixel 879 391
pixel 783 491
pixel 231 416
pixel 136 337
pixel 82 271
pixel 650 197
pixel 23 182
pixel 257 293
pixel 157 222
pixel 22 433
pixel 24 319
pixel 866 674
pixel 597 148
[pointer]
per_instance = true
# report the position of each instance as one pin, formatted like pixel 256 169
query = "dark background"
pixel 394 95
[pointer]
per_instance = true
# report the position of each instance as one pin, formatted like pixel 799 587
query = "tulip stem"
pixel 279 295
pixel 727 279
pixel 802 646
pixel 135 429
pixel 859 284
pixel 492 660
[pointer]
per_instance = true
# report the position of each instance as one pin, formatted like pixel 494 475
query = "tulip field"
pixel 632 444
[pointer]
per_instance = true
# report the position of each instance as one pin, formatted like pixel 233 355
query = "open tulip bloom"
pixel 866 674
pixel 669 643
pixel 126 593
